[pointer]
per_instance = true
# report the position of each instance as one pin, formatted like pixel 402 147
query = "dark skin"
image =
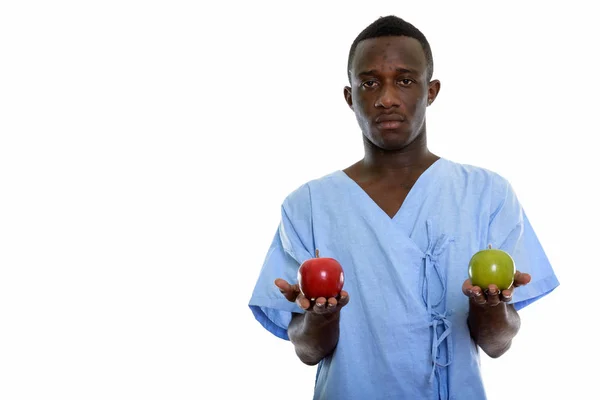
pixel 314 333
pixel 492 322
pixel 389 94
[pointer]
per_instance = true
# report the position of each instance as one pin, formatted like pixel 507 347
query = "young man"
pixel 403 223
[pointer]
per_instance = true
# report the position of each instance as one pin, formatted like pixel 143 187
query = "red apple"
pixel 320 277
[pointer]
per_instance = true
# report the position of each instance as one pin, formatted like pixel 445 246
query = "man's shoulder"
pixel 472 174
pixel 304 191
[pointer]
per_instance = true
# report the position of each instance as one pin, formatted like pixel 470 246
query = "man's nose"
pixel 388 97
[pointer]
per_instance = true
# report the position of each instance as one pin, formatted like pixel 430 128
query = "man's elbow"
pixel 496 351
pixel 308 359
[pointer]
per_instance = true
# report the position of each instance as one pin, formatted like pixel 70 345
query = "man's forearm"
pixel 493 328
pixel 314 336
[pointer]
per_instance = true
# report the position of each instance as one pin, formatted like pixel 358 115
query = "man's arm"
pixel 493 328
pixel 314 336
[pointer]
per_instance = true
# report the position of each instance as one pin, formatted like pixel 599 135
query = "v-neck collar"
pixel 423 183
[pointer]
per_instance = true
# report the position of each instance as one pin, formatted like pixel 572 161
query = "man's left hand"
pixel 491 296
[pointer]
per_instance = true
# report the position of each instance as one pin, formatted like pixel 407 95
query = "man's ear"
pixel 348 96
pixel 432 91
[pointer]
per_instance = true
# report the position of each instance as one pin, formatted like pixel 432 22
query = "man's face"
pixel 389 90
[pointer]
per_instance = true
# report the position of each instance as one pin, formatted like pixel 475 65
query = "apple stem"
pixel 317 253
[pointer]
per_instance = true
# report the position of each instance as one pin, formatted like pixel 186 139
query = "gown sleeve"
pixel 292 244
pixel 510 230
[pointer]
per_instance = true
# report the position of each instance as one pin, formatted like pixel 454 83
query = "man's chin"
pixel 391 141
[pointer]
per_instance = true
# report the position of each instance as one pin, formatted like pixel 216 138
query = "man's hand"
pixel 492 322
pixel 491 296
pixel 321 305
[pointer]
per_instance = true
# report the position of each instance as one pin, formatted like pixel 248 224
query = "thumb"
pixel 290 292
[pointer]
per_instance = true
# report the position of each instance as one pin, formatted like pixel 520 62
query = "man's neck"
pixel 389 164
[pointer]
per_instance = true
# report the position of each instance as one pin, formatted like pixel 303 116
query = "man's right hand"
pixel 320 305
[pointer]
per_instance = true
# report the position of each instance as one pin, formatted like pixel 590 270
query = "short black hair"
pixel 392 26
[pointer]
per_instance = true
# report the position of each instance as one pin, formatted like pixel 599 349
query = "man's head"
pixel 390 66
pixel 392 26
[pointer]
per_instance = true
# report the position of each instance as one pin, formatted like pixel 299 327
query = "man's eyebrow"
pixel 369 72
pixel 405 70
pixel 374 71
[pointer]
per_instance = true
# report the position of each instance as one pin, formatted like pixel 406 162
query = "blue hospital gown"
pixel 403 335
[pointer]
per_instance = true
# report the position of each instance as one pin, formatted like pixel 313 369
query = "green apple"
pixel 492 266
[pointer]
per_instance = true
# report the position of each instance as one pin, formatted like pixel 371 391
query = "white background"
pixel 146 146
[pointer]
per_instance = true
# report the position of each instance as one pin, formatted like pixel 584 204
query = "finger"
pixel 470 290
pixel 302 302
pixel 282 284
pixel 521 279
pixel 493 295
pixel 332 303
pixel 477 296
pixel 344 298
pixel 467 287
pixel 289 291
pixel 507 295
pixel 320 305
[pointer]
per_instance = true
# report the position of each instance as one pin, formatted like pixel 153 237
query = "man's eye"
pixel 406 82
pixel 369 84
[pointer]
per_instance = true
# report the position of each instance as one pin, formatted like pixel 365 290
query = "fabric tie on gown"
pixel 439 319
